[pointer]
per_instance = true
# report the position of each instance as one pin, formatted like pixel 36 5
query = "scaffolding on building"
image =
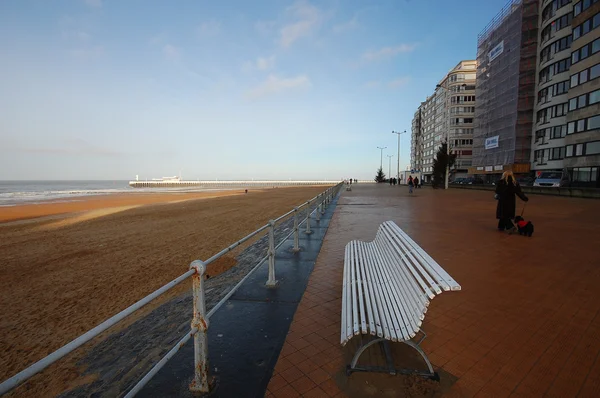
pixel 506 60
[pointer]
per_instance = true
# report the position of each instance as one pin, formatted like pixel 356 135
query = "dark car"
pixel 473 181
pixel 526 181
pixel 459 180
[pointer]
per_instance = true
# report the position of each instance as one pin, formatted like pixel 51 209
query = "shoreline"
pixel 65 206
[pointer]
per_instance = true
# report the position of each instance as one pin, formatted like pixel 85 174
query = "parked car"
pixel 473 181
pixel 459 180
pixel 551 179
pixel 526 181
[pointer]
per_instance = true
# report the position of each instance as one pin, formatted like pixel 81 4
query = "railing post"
pixel 308 231
pixel 200 383
pixel 296 231
pixel 318 208
pixel 271 281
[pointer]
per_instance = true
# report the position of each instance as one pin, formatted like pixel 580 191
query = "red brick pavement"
pixel 525 324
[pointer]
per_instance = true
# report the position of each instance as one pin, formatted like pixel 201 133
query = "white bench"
pixel 387 287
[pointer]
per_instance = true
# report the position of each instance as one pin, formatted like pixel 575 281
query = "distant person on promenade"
pixel 506 189
pixel 390 181
pixel 410 184
pixel 416 181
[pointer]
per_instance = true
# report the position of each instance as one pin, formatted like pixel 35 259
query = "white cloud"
pixel 260 64
pixel 372 84
pixel 388 52
pixel 171 52
pixel 94 3
pixel 306 19
pixel 209 28
pixel 399 82
pixel 265 63
pixel 346 26
pixel 275 85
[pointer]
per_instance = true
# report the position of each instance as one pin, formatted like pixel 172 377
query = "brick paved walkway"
pixel 525 324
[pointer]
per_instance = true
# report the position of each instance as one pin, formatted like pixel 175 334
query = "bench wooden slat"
pixel 378 283
pixel 408 315
pixel 427 283
pixel 370 314
pixel 395 304
pixel 346 313
pixel 448 283
pixel 369 278
pixel 361 300
pixel 355 287
pixel 415 296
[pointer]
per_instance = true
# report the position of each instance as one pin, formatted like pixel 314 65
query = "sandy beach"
pixel 65 267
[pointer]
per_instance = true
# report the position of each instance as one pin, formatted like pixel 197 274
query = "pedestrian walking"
pixel 416 182
pixel 506 190
pixel 410 184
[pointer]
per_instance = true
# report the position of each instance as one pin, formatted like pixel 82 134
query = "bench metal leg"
pixel 390 368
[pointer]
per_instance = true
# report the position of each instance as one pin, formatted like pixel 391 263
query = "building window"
pixel 578 126
pixel 594 97
pixel 592 148
pixel 558 131
pixel 569 151
pixel 585 51
pixel 585 174
pixel 593 122
pixel 557 153
pixel 585 75
pixel 586 27
pixel 550 10
pixel 581 6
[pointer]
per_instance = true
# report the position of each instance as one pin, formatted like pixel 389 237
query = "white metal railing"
pixel 200 320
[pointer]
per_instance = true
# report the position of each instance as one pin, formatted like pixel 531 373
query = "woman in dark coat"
pixel 506 189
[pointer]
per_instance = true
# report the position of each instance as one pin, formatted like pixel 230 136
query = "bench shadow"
pixel 373 384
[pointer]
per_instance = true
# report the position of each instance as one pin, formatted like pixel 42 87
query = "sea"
pixel 14 193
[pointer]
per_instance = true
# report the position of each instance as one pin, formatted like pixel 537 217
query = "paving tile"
pixel 286 392
pixel 316 392
pixel 303 385
pixel 292 374
pixel 277 382
pixel 319 375
pixel 330 388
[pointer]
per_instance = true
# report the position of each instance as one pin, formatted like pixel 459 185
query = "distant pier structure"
pixel 175 182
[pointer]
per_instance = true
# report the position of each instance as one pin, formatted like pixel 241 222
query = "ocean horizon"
pixel 17 192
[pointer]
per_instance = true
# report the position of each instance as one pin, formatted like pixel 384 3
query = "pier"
pixel 226 184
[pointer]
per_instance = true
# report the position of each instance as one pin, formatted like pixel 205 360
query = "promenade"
pixel 525 323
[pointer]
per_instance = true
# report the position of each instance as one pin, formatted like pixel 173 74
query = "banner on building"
pixel 492 142
pixel 496 51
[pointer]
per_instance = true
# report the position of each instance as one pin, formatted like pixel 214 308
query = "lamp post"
pixel 445 88
pixel 398 133
pixel 381 160
pixel 390 166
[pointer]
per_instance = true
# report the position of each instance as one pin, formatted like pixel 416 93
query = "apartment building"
pixel 582 141
pixel 567 129
pixel 447 113
pixel 506 77
pixel 416 142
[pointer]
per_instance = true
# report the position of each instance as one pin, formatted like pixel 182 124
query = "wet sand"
pixel 101 202
pixel 61 276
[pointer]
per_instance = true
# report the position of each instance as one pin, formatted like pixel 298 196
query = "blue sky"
pixel 101 89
